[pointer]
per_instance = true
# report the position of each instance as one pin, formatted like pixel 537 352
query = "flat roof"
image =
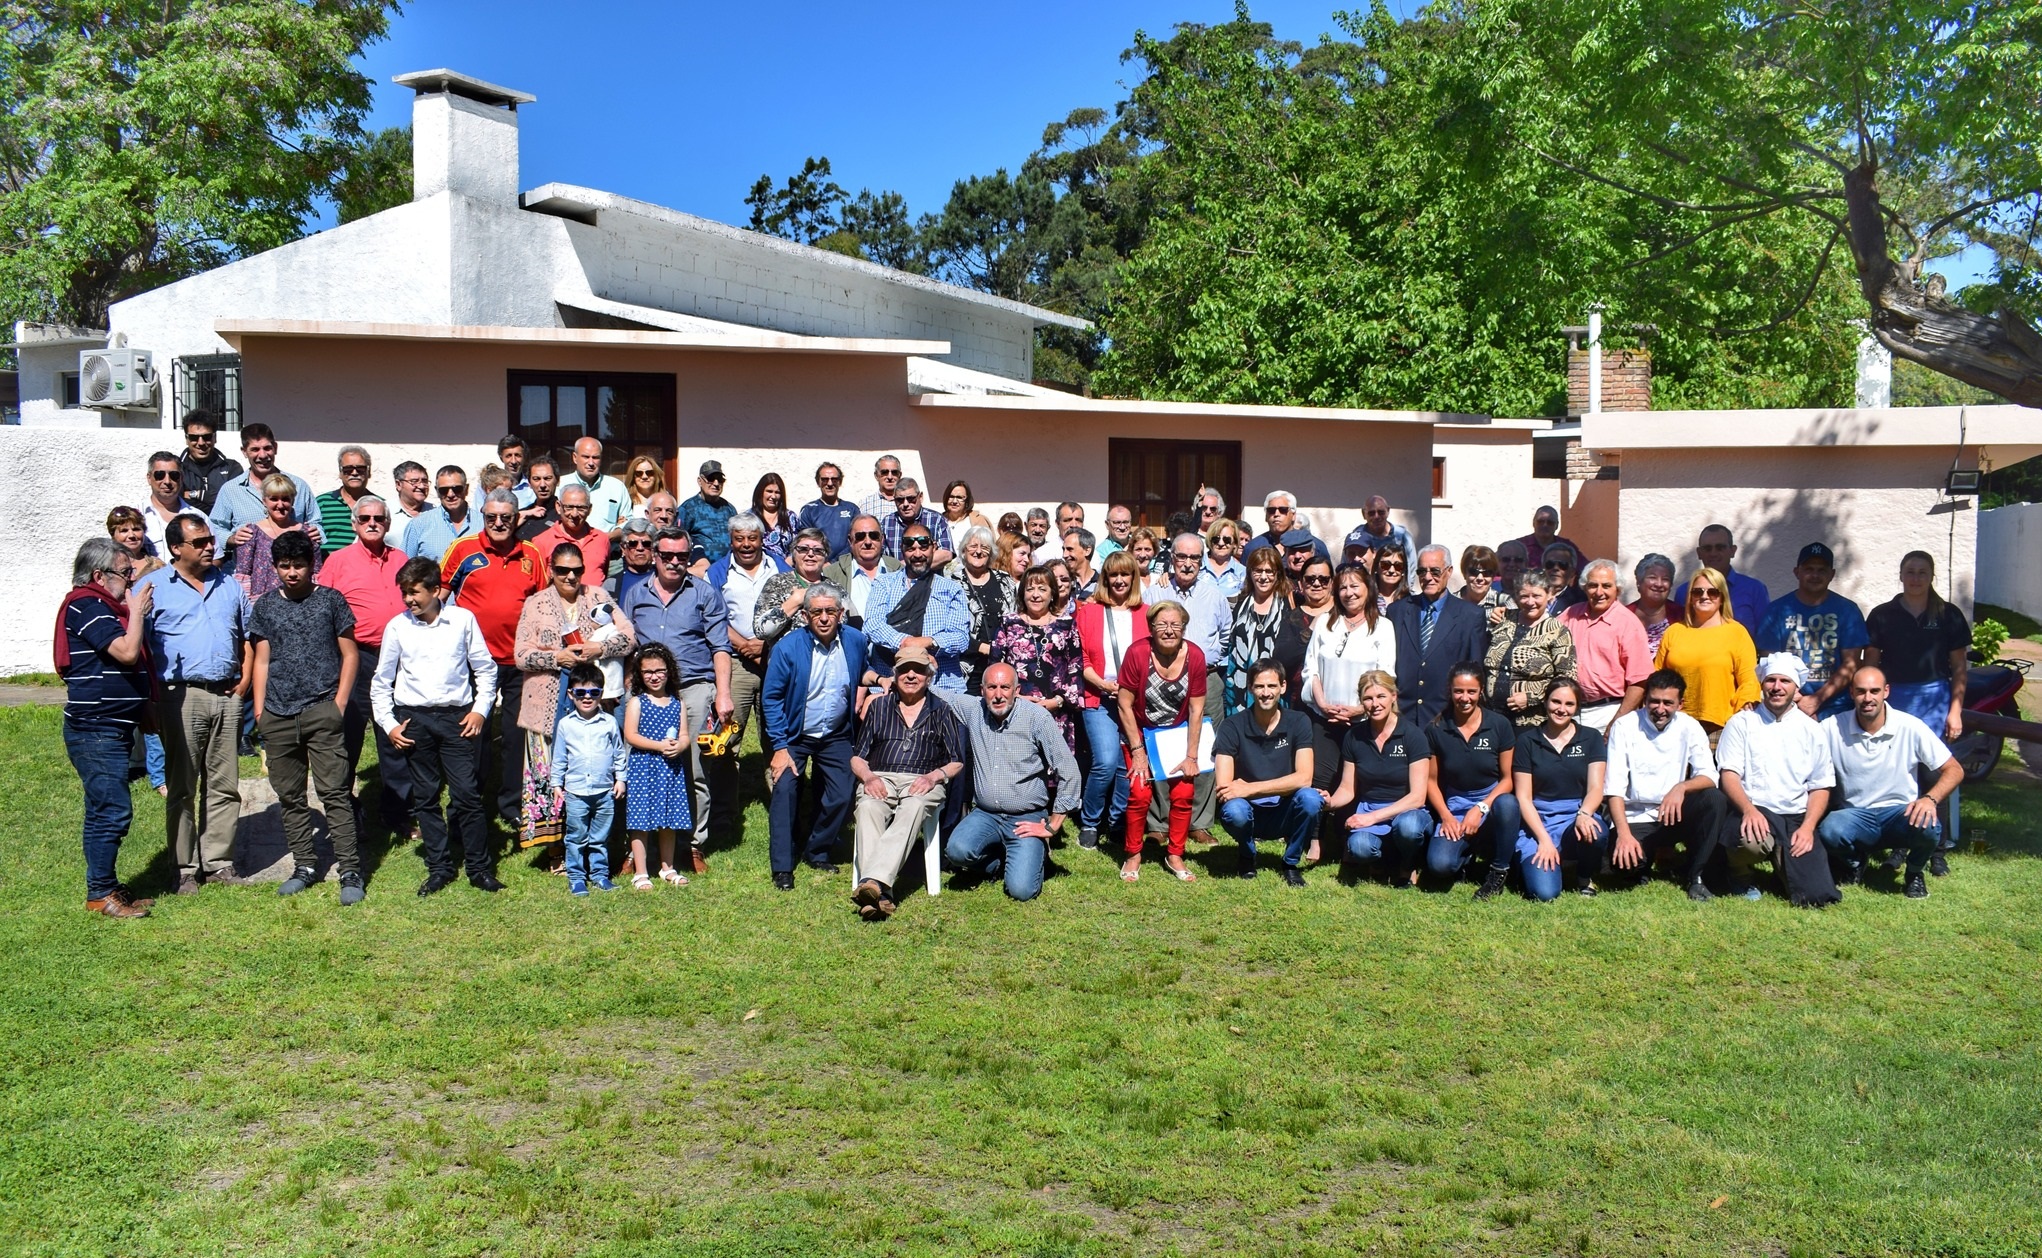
pixel 234 331
pixel 445 80
pixel 1759 431
pixel 1188 410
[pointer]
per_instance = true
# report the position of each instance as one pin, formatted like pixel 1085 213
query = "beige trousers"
pixel 887 828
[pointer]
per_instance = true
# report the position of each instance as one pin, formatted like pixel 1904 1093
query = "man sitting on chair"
pixel 908 752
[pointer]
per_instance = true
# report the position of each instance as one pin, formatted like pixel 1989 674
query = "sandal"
pixel 668 874
pixel 1180 873
pixel 1130 875
pixel 639 882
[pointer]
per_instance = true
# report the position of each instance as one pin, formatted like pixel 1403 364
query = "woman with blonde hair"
pixel 643 477
pixel 1712 653
pixel 1385 767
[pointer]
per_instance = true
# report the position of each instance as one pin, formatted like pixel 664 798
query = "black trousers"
pixel 439 755
pixel 1697 832
pixel 392 765
pixel 506 745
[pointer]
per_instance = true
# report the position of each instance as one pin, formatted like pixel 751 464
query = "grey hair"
pixel 565 490
pixel 346 450
pixel 821 589
pixel 1533 577
pixel 1037 513
pixel 366 499
pixel 96 554
pixel 908 482
pixel 1653 562
pixel 1198 499
pixel 975 534
pixel 1615 573
pixel 1269 499
pixel 501 498
pixel 746 522
pixel 1446 557
pixel 1196 540
pixel 638 526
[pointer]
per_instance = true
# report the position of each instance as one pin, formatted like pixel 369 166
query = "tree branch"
pixel 1801 302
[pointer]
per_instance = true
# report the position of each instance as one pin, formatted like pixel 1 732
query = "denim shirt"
pixel 588 753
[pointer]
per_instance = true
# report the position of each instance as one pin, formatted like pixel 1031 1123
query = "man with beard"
pixel 1661 785
pixel 1776 773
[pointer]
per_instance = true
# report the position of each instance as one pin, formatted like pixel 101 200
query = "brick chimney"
pixel 1626 374
pixel 464 136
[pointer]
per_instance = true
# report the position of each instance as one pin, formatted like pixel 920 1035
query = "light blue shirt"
pixel 526 497
pixel 1230 577
pixel 829 690
pixel 240 502
pixel 431 532
pixel 195 635
pixel 608 501
pixel 946 621
pixel 1211 620
pixel 588 753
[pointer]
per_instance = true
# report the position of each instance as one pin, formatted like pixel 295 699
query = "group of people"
pixel 926 675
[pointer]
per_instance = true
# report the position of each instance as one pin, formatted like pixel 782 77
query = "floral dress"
pixel 778 538
pixel 1048 663
pixel 253 569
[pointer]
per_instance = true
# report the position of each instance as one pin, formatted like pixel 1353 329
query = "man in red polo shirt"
pixel 574 527
pixel 490 575
pixel 364 572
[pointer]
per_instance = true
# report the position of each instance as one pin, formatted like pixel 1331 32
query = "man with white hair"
pixel 1208 504
pixel 1435 631
pixel 739 577
pixel 575 529
pixel 490 575
pixel 1877 751
pixel 1280 516
pixel 1612 656
pixel 1776 773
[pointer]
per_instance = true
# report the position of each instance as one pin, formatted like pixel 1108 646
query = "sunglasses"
pixel 889 471
pixel 1560 565
pixel 669 557
pixel 829 480
pixel 206 542
pixel 1704 592
pixel 865 537
pixel 172 474
pixel 559 571
pixel 637 543
pixel 810 550
pixel 646 471
pixel 712 480
pixel 199 438
pixel 1315 579
pixel 917 543
pixel 586 692
pixel 1432 572
pixel 372 519
pixel 354 469
pixel 452 491
pixel 498 518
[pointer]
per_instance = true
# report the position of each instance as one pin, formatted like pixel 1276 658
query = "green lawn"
pixel 1219 1068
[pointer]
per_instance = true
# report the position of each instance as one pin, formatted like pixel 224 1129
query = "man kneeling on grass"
pixel 1016 751
pixel 304 637
pixel 908 752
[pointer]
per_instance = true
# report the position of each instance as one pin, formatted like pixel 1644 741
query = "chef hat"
pixel 1784 664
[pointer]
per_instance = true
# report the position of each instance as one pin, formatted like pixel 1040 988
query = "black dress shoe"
pixel 435 883
pixel 824 866
pixel 485 882
pixel 783 879
pixel 1939 867
pixel 1291 876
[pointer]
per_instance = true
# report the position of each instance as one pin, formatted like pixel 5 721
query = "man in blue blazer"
pixel 1435 631
pixel 811 703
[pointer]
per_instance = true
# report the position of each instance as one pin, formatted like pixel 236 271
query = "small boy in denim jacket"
pixel 587 778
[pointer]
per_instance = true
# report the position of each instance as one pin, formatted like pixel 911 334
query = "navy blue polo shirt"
pixel 1561 774
pixel 1260 757
pixel 834 521
pixel 100 689
pixel 1472 765
pixel 1386 773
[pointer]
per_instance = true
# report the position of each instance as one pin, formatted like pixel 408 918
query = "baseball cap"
pixel 1816 550
pixel 913 657
pixel 712 470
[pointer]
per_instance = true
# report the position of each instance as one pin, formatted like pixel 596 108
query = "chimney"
pixel 1626 374
pixel 464 136
pixel 1875 373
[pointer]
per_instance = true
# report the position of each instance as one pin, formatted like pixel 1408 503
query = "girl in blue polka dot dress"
pixel 656 780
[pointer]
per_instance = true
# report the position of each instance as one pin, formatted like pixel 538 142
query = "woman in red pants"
pixel 1162 684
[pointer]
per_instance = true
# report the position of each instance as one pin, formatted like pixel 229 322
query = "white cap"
pixel 1784 664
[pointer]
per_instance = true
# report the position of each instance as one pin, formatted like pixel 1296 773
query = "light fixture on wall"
pixel 1962 483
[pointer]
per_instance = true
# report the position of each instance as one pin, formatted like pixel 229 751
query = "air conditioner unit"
pixel 116 379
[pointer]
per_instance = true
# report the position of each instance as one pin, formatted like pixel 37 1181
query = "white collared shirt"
pixel 1777 759
pixel 1877 770
pixel 444 664
pixel 1646 762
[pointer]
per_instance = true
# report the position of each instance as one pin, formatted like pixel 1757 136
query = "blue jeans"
pixel 100 753
pixel 1559 816
pixel 986 841
pixel 1856 833
pixel 1294 818
pixel 1401 836
pixel 152 758
pixel 1106 778
pixel 1498 835
pixel 588 836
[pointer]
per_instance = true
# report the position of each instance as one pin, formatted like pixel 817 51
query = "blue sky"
pixel 685 104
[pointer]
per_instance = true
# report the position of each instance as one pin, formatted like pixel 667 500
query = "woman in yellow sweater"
pixel 1712 652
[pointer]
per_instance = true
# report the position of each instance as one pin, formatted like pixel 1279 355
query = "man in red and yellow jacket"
pixel 491 575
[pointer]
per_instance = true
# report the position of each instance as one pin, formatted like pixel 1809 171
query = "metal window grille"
pixel 209 381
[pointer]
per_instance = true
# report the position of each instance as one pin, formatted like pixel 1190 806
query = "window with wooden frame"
pixel 1155 479
pixel 632 413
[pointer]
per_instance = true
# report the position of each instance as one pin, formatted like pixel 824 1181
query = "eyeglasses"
pixel 1276 511
pixel 637 543
pixel 917 543
pixel 1558 564
pixel 498 517
pixel 1390 567
pixel 671 557
pixel 206 541
pixel 810 550
pixel 452 491
pixel 1183 558
pixel 908 500
pixel 199 438
pixel 372 519
pixel 867 536
pixel 829 480
pixel 354 469
pixel 559 571
pixel 1704 592
pixel 172 474
pixel 1432 572
pixel 586 692
pixel 888 471
pixel 1315 578
pixel 649 471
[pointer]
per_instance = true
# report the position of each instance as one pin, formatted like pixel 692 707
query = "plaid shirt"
pixel 891 526
pixel 947 621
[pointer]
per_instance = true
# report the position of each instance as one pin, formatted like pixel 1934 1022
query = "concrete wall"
pixel 38 369
pixel 1871 504
pixel 2010 557
pixel 1490 493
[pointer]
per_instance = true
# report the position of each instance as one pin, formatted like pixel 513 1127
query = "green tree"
pixel 804 208
pixel 1903 130
pixel 376 176
pixel 146 140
